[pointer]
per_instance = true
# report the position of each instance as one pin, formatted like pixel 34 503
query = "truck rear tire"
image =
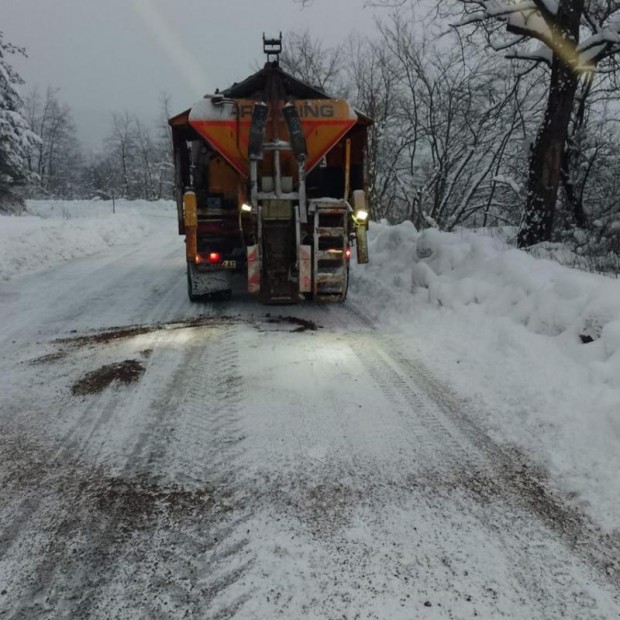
pixel 222 295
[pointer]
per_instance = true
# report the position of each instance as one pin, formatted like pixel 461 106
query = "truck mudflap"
pixel 201 283
pixel 361 244
pixel 253 269
pixel 305 268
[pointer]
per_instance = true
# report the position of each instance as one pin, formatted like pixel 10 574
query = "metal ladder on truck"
pixel 330 266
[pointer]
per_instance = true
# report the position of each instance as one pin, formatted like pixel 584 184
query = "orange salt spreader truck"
pixel 271 183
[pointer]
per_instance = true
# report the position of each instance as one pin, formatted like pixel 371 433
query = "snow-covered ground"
pixel 441 446
pixel 54 231
pixel 533 342
pixel 504 327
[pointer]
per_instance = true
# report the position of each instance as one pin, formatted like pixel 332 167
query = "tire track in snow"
pixel 200 397
pixel 526 482
pixel 55 494
pixel 46 468
pixel 461 412
pixel 524 510
pixel 81 290
pixel 430 424
pixel 324 505
pixel 65 488
pixel 192 443
pixel 493 471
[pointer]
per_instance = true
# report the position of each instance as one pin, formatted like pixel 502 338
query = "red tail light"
pixel 347 253
pixel 215 257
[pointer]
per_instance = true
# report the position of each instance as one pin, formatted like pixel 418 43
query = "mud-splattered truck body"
pixel 271 183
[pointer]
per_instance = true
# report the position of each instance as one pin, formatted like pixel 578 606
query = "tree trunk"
pixel 572 193
pixel 574 198
pixel 546 158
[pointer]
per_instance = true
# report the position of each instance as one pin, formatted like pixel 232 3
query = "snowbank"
pixel 533 340
pixel 541 295
pixel 53 231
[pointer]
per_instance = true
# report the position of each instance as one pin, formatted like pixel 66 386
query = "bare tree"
pixel 137 162
pixel 165 150
pixel 311 61
pixel 146 164
pixel 56 159
pixel 373 80
pixel 122 146
pixel 573 37
pixel 464 117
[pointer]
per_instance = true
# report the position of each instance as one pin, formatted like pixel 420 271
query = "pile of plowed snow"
pixel 454 270
pixel 53 231
pixel 531 339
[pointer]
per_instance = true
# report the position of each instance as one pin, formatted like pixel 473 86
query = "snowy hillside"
pixel 515 333
pixel 54 231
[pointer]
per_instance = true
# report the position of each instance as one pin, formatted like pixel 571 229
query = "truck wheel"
pixel 219 295
pixel 224 295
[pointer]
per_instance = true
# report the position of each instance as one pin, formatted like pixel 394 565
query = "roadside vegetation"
pixel 487 116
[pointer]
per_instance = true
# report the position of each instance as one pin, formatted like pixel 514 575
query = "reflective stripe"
pixel 305 268
pixel 253 269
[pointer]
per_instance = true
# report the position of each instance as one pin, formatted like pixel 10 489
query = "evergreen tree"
pixel 16 138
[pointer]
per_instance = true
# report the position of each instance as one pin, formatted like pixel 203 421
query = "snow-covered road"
pixel 259 462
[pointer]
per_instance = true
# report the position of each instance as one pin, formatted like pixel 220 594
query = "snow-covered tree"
pixel 571 47
pixel 448 140
pixel 16 137
pixel 56 159
pixel 448 124
pixel 310 60
pixel 164 156
pixel 375 89
pixel 359 70
pixel 137 158
pixel 572 38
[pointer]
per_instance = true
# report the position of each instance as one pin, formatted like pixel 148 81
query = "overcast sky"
pixel 115 55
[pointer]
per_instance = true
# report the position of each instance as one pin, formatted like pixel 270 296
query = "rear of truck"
pixel 271 184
